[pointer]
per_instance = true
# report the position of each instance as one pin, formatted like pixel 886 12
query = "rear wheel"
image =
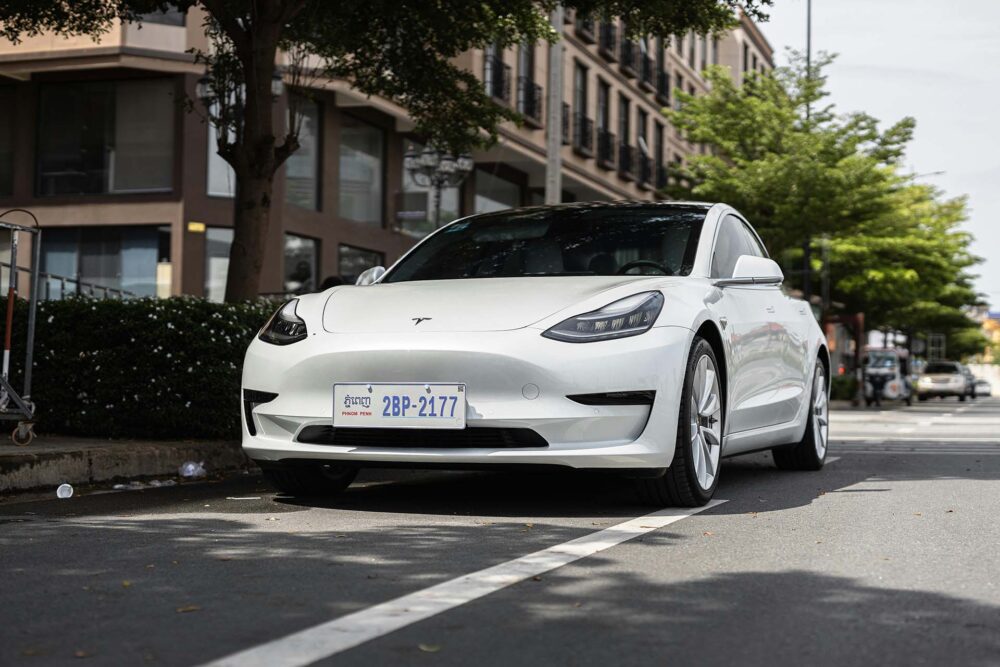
pixel 961 399
pixel 810 452
pixel 691 479
pixel 311 480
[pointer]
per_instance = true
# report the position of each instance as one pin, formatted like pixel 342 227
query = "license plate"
pixel 416 405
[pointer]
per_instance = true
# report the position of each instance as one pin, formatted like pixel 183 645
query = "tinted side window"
pixel 729 245
pixel 753 245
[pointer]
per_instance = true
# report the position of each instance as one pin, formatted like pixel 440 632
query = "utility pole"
pixel 807 243
pixel 553 125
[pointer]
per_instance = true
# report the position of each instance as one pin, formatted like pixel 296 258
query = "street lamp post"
pixel 436 170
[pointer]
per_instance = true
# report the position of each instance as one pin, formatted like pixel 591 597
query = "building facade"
pixel 95 140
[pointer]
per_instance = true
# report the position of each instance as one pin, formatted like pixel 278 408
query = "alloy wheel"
pixel 821 413
pixel 706 422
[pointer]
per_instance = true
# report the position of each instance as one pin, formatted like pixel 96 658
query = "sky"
pixel 938 62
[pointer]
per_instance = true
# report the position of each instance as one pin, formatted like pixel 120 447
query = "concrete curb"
pixel 52 461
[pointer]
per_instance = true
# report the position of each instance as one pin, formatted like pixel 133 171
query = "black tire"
pixel 679 486
pixel 961 399
pixel 921 398
pixel 805 455
pixel 311 480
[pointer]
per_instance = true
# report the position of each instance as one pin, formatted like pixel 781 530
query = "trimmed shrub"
pixel 141 368
pixel 843 387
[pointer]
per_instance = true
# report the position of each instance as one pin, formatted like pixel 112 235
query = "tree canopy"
pixel 797 169
pixel 403 50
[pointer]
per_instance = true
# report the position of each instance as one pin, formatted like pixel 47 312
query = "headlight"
pixel 284 327
pixel 628 317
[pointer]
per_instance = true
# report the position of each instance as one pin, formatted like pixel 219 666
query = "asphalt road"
pixel 889 556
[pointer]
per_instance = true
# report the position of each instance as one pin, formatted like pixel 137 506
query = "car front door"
pixel 749 318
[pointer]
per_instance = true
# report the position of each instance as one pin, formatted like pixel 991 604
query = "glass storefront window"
pixel 494 193
pixel 302 167
pixel 414 212
pixel 300 264
pixel 6 142
pixel 218 240
pixel 362 167
pixel 221 177
pixel 88 259
pixel 106 137
pixel 351 262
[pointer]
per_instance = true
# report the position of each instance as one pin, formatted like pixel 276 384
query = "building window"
pixel 640 129
pixel 352 262
pixel 169 16
pixel 715 51
pixel 691 49
pixel 221 177
pixel 302 167
pixel 106 261
pixel 414 213
pixel 704 52
pixel 6 142
pixel 580 91
pixel 494 193
pixel 603 106
pixel 106 137
pixel 746 57
pixel 218 241
pixel 624 123
pixel 679 44
pixel 362 168
pixel 300 264
pixel 755 62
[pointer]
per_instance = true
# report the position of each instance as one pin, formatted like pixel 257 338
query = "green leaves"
pixel 799 170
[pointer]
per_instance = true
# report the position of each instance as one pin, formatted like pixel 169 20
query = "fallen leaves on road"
pixel 536 578
pixel 188 608
pixel 126 583
pixel 429 648
pixel 708 533
pixel 917 514
pixel 272 518
pixel 80 653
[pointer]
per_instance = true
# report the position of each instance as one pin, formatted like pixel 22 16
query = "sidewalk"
pixel 52 460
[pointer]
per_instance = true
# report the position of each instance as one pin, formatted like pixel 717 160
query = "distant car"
pixel 983 388
pixel 941 379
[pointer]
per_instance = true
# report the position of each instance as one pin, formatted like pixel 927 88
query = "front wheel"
pixel 693 475
pixel 810 452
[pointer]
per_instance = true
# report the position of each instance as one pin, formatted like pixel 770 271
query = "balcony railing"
pixel 663 87
pixel 629 57
pixel 565 124
pixel 585 30
pixel 645 175
pixel 606 145
pixel 529 100
pixel 609 41
pixel 626 161
pixel 647 76
pixel 497 79
pixel 583 134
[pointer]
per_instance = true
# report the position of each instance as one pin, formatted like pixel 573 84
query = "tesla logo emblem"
pixel 418 320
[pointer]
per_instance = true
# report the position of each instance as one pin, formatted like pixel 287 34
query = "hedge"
pixel 139 368
pixel 843 388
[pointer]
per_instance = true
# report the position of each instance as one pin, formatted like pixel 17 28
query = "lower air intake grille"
pixel 469 438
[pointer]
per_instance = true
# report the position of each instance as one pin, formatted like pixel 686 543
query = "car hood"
pixel 484 304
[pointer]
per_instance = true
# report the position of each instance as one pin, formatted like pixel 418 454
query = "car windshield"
pixel 882 360
pixel 561 241
pixel 941 367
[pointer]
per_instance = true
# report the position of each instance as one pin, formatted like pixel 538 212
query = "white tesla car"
pixel 648 338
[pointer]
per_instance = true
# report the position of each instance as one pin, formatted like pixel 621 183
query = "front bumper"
pixel 498 369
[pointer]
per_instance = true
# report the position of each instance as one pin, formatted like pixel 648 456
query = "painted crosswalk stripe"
pixel 326 639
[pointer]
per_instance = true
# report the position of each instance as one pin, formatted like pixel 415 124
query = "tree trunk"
pixel 250 233
pixel 255 164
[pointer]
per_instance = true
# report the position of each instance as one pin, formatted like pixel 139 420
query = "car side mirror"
pixel 754 270
pixel 370 276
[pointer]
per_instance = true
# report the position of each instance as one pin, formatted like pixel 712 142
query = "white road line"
pixel 326 639
pixel 930 439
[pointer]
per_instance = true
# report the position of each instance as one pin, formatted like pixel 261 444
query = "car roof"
pixel 603 205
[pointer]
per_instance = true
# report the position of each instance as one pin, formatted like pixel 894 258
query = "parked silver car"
pixel 943 378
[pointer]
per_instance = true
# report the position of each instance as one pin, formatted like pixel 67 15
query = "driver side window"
pixel 730 243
